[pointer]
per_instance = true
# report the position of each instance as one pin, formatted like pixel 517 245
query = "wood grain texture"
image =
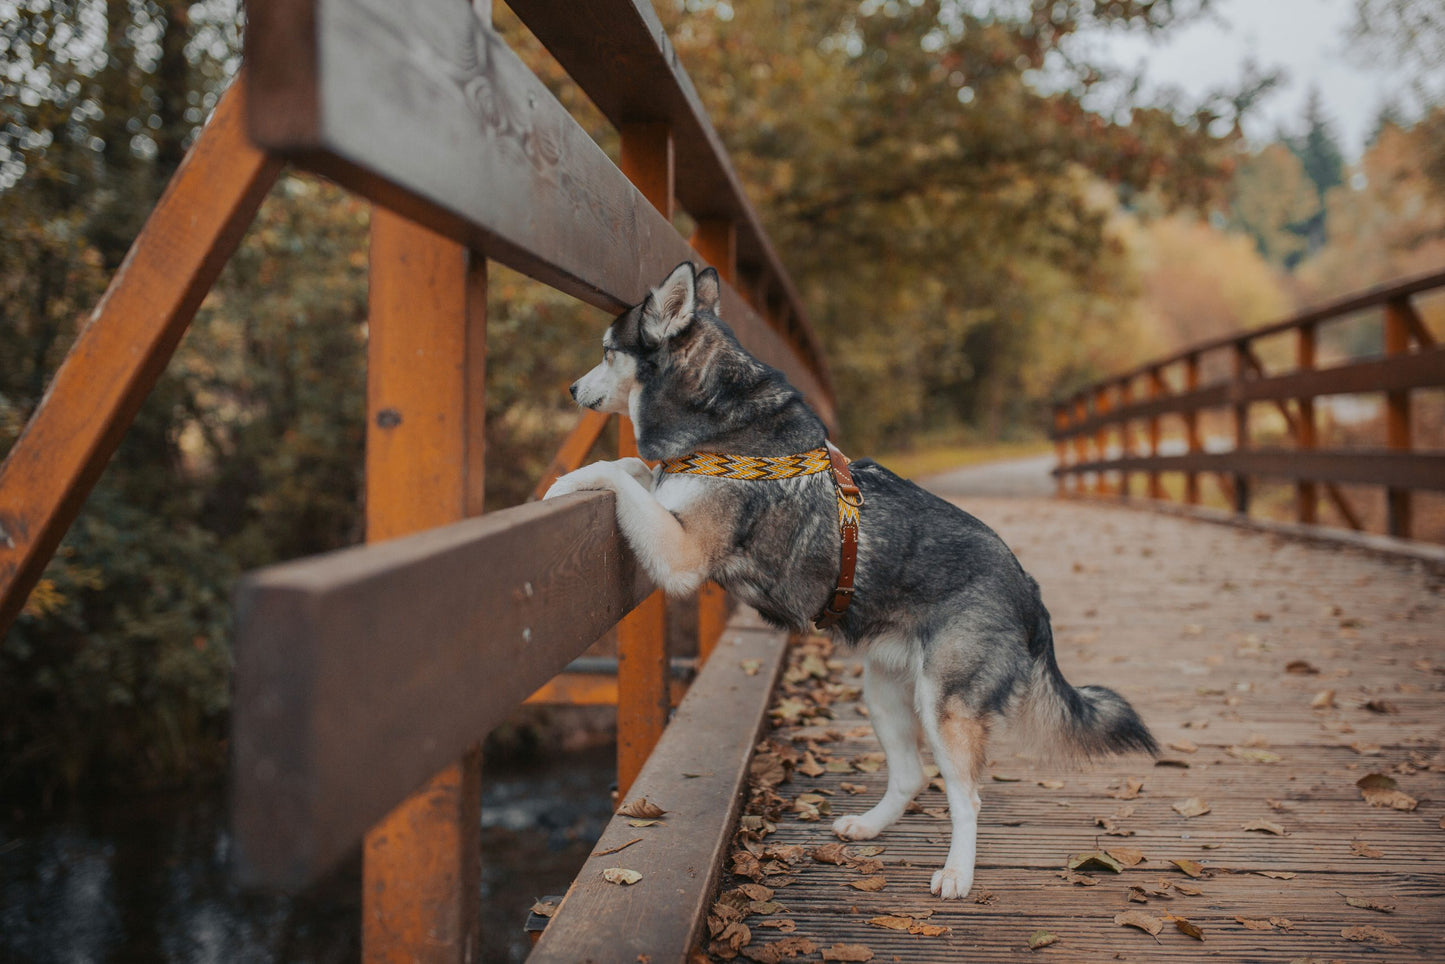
pixel 361 673
pixel 126 344
pixel 422 108
pixel 696 773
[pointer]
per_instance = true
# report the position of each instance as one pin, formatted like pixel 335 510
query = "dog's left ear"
pixel 671 305
pixel 709 290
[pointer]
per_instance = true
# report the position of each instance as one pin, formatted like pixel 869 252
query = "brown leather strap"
pixel 850 500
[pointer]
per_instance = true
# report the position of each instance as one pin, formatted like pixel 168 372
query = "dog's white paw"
pixel 638 469
pixel 951 883
pixel 855 827
pixel 586 479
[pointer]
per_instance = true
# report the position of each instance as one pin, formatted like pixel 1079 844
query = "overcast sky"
pixel 1307 39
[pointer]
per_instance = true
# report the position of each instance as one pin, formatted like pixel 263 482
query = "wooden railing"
pixel 366 679
pixel 1095 430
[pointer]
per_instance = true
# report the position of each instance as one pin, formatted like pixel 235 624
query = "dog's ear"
pixel 709 290
pixel 671 305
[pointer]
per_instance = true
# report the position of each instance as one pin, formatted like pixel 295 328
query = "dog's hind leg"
pixel 888 694
pixel 959 741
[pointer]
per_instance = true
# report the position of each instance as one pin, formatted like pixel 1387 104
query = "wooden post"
pixel 1156 390
pixel 1126 435
pixel 426 360
pixel 1191 429
pixel 1397 413
pixel 716 242
pixel 1306 494
pixel 1061 447
pixel 126 343
pixel 1101 437
pixel 642 695
pixel 1241 429
pixel 1081 441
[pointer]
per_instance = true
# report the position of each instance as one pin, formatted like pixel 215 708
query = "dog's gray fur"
pixel 953 632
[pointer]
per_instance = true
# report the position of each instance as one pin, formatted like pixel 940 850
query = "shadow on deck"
pixel 1277 674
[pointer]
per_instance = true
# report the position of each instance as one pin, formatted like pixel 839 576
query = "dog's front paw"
pixel 855 827
pixel 951 883
pixel 638 469
pixel 588 478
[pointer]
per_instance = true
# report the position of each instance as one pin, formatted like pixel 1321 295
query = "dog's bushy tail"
pixel 1067 721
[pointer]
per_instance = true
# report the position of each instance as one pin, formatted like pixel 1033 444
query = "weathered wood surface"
pixel 126 344
pixel 696 774
pixel 422 108
pixel 361 673
pixel 1196 624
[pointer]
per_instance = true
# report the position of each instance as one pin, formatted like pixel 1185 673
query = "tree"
pixel 1273 202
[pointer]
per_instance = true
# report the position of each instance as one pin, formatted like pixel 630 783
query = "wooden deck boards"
pixel 1196 624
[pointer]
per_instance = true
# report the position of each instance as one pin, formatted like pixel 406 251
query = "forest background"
pixel 978 219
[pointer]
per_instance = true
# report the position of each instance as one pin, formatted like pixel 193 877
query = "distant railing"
pixel 1094 430
pixel 365 679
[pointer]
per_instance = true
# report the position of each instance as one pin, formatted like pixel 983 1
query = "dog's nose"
pixel 573 390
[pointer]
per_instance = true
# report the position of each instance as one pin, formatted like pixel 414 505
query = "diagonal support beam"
pixel 126 344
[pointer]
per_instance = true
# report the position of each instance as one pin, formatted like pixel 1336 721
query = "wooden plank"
pixel 1191 428
pixel 1403 470
pixel 620 55
pixel 423 109
pixel 425 445
pixel 126 343
pixel 1421 369
pixel 1306 432
pixel 697 774
pixel 361 673
pixel 1397 418
pixel 1240 481
pixel 595 689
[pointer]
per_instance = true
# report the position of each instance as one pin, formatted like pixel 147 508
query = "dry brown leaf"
pixel 1377 781
pixel 764 908
pixel 1052 784
pixel 1394 799
pixel 1381 706
pixel 866 850
pixel 1095 860
pixel 545 908
pixel 1042 939
pixel 1081 880
pixel 751 666
pixel 1367 749
pixel 1137 895
pixel 1253 755
pixel 1382 904
pixel 810 767
pixel 1255 925
pixel 779 951
pixel 1131 789
pixel 747 865
pixel 1128 856
pixel 830 853
pixel 1187 926
pixel 1371 933
pixel 1005 778
pixel 1111 829
pixel 787 853
pixel 1265 826
pixel 756 891
pixel 1188 890
pixel 891 923
pixel 642 809
pixel 869 884
pixel 1184 746
pixel 1301 667
pixel 782 924
pixel 1361 849
pixel 848 952
pixel 1189 867
pixel 838 766
pixel 730 941
pixel 1192 807
pixel 1277 874
pixel 853 787
pixel 1137 918
pixel 621 875
pixel 643 823
pixel 928 930
pixel 1324 699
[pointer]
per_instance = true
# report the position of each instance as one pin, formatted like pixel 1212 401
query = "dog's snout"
pixel 573 390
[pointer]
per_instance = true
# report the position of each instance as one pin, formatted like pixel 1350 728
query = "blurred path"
pixel 1016 477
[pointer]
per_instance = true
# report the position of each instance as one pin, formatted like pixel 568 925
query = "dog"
pixel 953 633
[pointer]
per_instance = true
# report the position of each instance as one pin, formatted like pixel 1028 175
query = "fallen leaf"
pixel 1368 932
pixel 1382 904
pixel 764 908
pixel 1188 891
pixel 1323 700
pixel 830 853
pixel 1376 781
pixel 1192 807
pixel 911 914
pixel 1187 926
pixel 788 853
pixel 733 937
pixel 853 787
pixel 1111 829
pixel 1081 880
pixel 1265 826
pixel 1131 789
pixel 1255 925
pixel 643 823
pixel 1367 749
pixel 1095 860
pixel 1184 746
pixel 891 923
pixel 1002 778
pixel 780 950
pixel 1190 867
pixel 1127 856
pixel 747 865
pixel 1394 799
pixel 928 930
pixel 869 884
pixel 1361 849
pixel 1253 755
pixel 1277 874
pixel 755 891
pixel 618 848
pixel 1137 918
pixel 1042 939
pixel 1138 895
pixel 641 808
pixel 1381 706
pixel 751 666
pixel 620 875
pixel 810 767
pixel 1301 667
pixel 545 908
pixel 847 952
pixel 1052 784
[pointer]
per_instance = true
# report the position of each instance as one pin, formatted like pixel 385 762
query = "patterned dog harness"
pixel 752 468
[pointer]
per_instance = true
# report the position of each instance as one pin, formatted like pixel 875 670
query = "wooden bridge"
pixel 1298 810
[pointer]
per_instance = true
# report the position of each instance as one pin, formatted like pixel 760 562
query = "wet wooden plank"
pixel 126 344
pixel 696 773
pixel 361 673
pixel 422 108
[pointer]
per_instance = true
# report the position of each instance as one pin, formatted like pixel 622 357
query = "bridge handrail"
pixel 1412 361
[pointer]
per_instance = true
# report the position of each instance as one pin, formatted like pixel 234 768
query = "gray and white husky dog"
pixel 951 629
